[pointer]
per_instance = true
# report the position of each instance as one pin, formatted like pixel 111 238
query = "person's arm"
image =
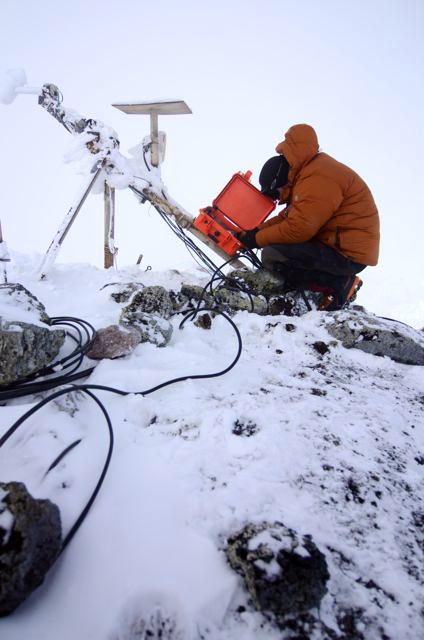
pixel 314 201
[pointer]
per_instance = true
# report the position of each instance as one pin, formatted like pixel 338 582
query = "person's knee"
pixel 271 258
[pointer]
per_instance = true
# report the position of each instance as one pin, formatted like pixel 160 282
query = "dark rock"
pixel 284 573
pixel 321 347
pixel 204 321
pixel 242 428
pixel 114 342
pixel 26 348
pixel 155 300
pixel 377 336
pixel 29 545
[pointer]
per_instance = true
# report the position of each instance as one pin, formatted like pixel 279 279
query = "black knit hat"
pixel 274 174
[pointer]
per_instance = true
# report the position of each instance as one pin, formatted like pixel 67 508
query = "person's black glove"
pixel 249 239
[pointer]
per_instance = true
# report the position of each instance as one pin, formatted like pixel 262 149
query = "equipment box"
pixel 216 232
pixel 240 205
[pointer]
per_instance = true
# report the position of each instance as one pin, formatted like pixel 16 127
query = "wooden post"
pixel 109 226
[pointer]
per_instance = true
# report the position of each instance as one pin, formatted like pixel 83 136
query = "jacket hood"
pixel 299 145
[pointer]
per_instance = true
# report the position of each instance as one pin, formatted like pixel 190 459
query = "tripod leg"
pixel 4 255
pixel 61 233
pixel 109 227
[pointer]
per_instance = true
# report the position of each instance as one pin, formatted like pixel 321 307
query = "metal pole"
pixel 4 255
pixel 154 135
pixel 109 226
pixel 69 219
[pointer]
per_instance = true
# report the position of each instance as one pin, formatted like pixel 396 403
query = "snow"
pixel 327 444
pixel 9 81
pixel 6 519
pixel 4 252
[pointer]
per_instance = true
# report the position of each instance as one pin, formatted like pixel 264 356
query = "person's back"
pixel 353 228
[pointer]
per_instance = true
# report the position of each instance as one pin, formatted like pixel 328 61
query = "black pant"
pixel 310 262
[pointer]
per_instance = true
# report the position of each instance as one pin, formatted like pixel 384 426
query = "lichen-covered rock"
pixel 261 282
pixel 284 573
pixel 114 342
pixel 238 301
pixel 30 541
pixel 378 336
pixel 180 302
pixel 155 300
pixel 149 311
pixel 26 348
pixel 151 328
pixel 233 300
pixel 27 343
pixel 122 292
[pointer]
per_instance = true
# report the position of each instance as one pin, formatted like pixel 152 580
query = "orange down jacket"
pixel 327 201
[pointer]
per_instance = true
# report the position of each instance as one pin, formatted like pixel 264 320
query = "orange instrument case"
pixel 239 207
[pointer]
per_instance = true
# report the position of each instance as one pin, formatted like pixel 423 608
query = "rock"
pixel 378 336
pixel 149 311
pixel 17 303
pixel 122 292
pixel 26 348
pixel 284 573
pixel 261 282
pixel 204 321
pixel 293 303
pixel 27 343
pixel 114 342
pixel 232 300
pixel 238 301
pixel 29 547
pixel 179 301
pixel 155 300
pixel 151 328
pixel 193 292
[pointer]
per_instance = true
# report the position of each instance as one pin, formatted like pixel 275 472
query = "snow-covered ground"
pixel 331 444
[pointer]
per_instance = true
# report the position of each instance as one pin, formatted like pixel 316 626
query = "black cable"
pixel 44 385
pixel 190 245
pixel 144 158
pixel 62 455
pixel 88 388
pixel 93 496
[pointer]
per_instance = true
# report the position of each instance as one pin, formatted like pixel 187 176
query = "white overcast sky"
pixel 248 69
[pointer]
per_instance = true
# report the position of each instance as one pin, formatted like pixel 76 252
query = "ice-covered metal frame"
pixel 110 165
